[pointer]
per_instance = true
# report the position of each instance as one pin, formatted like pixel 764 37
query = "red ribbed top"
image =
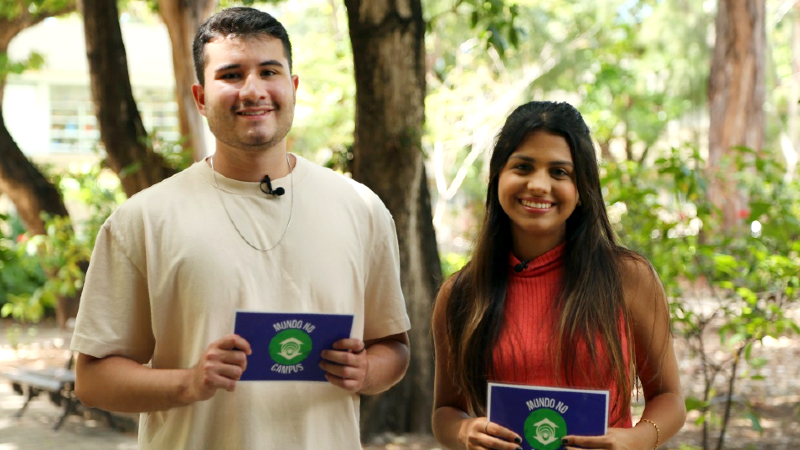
pixel 524 353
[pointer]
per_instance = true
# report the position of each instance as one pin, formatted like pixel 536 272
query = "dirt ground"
pixel 775 398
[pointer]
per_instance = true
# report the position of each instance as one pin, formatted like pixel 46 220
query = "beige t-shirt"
pixel 169 269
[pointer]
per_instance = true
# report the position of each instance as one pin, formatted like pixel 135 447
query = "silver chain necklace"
pixel 225 207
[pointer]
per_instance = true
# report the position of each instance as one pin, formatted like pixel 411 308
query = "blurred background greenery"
pixel 721 224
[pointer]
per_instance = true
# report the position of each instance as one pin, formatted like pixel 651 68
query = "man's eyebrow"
pixel 271 62
pixel 226 67
pixel 268 63
pixel 533 160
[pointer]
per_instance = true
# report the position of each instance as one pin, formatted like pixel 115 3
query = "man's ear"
pixel 295 82
pixel 199 97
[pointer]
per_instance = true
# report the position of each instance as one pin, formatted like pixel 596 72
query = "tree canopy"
pixel 639 72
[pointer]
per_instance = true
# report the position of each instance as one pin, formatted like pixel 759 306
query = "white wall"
pixel 26 103
pixel 27 116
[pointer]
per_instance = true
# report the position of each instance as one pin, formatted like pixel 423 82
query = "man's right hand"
pixel 220 367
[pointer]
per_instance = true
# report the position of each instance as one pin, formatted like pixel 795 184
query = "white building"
pixel 50 113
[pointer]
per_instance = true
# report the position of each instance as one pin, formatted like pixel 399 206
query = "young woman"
pixel 550 299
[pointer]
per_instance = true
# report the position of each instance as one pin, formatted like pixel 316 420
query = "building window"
pixel 74 126
pixel 159 112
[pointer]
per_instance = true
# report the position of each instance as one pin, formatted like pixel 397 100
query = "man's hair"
pixel 238 22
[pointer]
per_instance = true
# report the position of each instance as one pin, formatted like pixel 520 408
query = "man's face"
pixel 249 92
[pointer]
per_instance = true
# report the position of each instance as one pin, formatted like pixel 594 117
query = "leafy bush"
pixel 42 268
pixel 20 275
pixel 738 283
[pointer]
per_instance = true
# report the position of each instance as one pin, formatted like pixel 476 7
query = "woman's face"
pixel 537 189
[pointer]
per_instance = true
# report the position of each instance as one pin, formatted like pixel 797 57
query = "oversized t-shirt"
pixel 169 269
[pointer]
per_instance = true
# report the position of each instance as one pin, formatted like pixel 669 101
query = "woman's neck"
pixel 527 247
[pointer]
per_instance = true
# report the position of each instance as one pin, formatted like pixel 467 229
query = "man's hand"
pixel 220 367
pixel 346 365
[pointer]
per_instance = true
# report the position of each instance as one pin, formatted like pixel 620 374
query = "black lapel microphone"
pixel 265 181
pixel 521 266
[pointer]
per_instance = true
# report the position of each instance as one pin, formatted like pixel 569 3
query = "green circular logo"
pixel 544 429
pixel 290 347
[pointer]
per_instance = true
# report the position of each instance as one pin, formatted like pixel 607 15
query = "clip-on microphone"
pixel 280 191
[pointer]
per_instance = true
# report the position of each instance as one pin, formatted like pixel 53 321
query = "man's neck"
pixel 251 165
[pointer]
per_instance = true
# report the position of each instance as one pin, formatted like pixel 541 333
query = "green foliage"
pixel 11 9
pixel 20 275
pixel 644 65
pixel 781 83
pixel 452 263
pixel 58 257
pixel 98 191
pixel 739 283
pixel 340 160
pixel 324 120
pixel 634 70
pixel 635 66
pixel 176 155
pixel 494 21
pixel 7 67
pixel 42 268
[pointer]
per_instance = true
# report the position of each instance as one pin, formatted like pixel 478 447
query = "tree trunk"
pixel 388 53
pixel 27 188
pixel 736 95
pixel 627 139
pixel 121 128
pixel 183 18
pixel 605 151
pixel 31 193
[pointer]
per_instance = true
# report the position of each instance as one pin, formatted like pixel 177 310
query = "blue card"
pixel 288 346
pixel 543 415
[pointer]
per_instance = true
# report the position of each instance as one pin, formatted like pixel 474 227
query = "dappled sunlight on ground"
pixel 33 431
pixel 776 399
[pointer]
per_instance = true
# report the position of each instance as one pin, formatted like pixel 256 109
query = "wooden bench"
pixel 57 382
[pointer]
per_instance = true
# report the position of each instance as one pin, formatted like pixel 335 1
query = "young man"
pixel 173 263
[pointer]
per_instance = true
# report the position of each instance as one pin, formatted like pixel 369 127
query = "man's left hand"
pixel 346 365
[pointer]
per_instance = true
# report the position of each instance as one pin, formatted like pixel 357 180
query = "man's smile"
pixel 251 111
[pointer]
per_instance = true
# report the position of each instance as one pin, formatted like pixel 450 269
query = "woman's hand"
pixel 617 439
pixel 480 434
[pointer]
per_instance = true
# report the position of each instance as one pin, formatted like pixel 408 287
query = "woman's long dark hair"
pixel 591 302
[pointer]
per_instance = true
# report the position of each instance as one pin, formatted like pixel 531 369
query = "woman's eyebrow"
pixel 533 160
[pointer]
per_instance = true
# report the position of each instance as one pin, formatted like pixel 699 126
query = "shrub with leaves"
pixel 20 275
pixel 57 260
pixel 739 283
